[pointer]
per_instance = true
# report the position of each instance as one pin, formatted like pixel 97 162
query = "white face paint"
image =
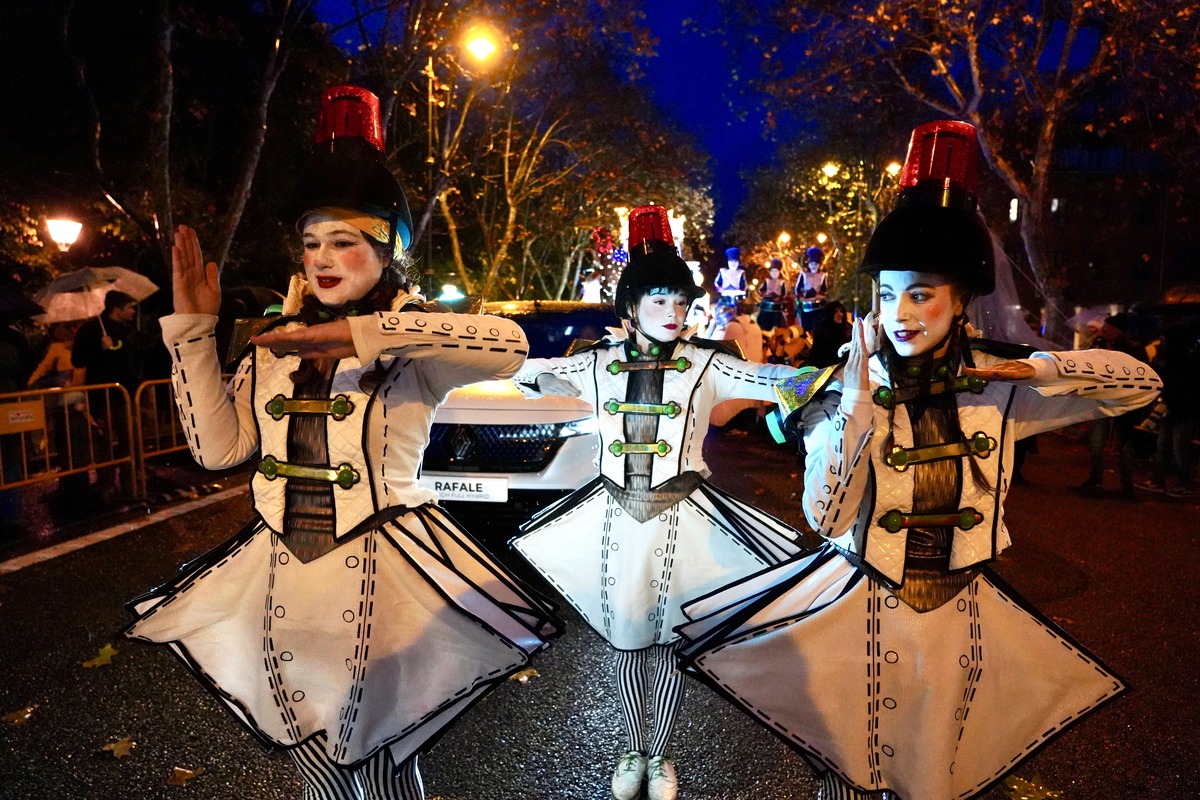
pixel 339 261
pixel 661 316
pixel 916 310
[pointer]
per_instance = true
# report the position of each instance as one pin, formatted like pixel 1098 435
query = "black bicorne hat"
pixel 935 227
pixel 654 263
pixel 347 168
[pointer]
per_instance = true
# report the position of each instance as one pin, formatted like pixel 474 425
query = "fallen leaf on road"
pixel 120 748
pixel 102 658
pixel 181 776
pixel 524 675
pixel 20 716
pixel 1020 789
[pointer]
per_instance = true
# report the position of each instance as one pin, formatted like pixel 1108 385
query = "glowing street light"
pixel 64 232
pixel 830 169
pixel 893 169
pixel 822 238
pixel 783 239
pixel 481 40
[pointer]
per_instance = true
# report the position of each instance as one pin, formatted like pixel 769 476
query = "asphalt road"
pixel 1119 575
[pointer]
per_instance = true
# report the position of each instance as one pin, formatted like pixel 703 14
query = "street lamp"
pixel 830 169
pixel 481 42
pixel 64 232
pixel 893 169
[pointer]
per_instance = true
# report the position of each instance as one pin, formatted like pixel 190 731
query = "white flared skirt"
pixel 931 706
pixel 381 642
pixel 628 579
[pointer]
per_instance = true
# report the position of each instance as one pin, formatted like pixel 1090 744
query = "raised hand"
pixel 327 340
pixel 195 286
pixel 864 341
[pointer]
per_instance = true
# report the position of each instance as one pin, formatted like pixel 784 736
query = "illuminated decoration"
pixel 602 241
pixel 450 293
pixel 64 232
pixel 620 256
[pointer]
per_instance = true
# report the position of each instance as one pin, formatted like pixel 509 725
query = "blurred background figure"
pixel 812 287
pixel 590 289
pixel 1113 335
pixel 1177 361
pixel 772 297
pixel 830 334
pixel 740 415
pixel 731 280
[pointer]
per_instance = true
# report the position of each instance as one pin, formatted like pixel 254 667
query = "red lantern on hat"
pixel 934 227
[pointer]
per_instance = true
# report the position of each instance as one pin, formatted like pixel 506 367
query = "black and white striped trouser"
pixel 833 788
pixel 376 779
pixel 636 691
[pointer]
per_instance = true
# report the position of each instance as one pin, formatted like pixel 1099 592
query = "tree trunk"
pixel 1046 279
pixel 160 135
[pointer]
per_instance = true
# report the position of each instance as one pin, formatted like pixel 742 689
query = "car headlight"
pixel 578 427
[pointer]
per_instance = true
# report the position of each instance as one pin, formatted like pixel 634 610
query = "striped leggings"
pixel 832 788
pixel 664 695
pixel 376 779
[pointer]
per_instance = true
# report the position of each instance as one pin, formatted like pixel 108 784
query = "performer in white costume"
pixel 351 621
pixel 649 532
pixel 909 452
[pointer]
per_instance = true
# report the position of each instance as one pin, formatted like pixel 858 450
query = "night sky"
pixel 691 79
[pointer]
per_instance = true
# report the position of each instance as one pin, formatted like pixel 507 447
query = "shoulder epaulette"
pixel 588 345
pixel 730 347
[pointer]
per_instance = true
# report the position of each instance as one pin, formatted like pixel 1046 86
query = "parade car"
pixel 496 454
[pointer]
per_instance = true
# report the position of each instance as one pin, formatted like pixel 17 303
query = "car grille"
pixel 491 448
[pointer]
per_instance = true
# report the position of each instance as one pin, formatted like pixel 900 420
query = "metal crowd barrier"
pixel 48 434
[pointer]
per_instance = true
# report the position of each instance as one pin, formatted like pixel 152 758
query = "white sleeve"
pixel 737 379
pixel 836 426
pixel 1079 385
pixel 217 419
pixel 452 349
pixel 576 370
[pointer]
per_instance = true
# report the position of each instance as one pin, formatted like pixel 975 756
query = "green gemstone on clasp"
pixel 347 476
pixel 268 467
pixel 892 521
pixel 884 397
pixel 275 406
pixel 615 448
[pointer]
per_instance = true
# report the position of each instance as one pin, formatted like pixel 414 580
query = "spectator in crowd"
pixel 67 427
pixel 1114 335
pixel 740 414
pixel 1178 364
pixel 106 351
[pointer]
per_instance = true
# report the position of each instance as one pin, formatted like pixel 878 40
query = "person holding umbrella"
pixel 106 351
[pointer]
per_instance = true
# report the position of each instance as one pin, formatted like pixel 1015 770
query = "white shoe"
pixel 663 785
pixel 627 777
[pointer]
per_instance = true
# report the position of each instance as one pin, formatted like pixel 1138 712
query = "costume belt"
pixel 979 445
pixel 338 407
pixel 680 364
pixel 889 397
pixel 343 475
pixel 963 519
pixel 670 409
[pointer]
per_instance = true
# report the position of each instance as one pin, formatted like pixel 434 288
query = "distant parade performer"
pixel 649 532
pixel 351 621
pixel 772 298
pixel 893 658
pixel 812 287
pixel 731 279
